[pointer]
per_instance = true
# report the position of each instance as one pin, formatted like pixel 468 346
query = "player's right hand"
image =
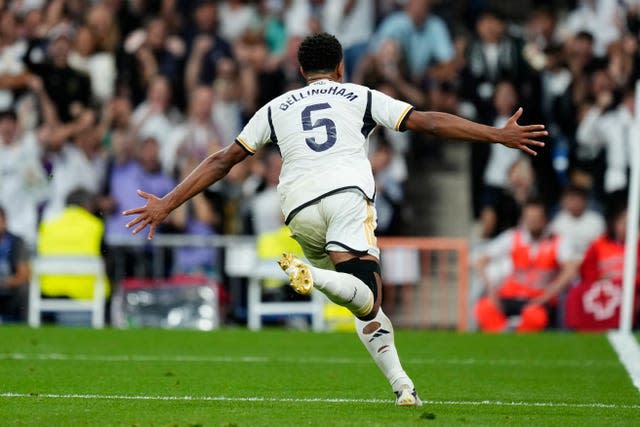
pixel 152 214
pixel 522 138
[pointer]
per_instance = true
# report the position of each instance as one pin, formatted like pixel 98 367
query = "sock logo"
pixel 380 332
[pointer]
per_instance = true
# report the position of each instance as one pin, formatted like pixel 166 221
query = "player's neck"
pixel 311 78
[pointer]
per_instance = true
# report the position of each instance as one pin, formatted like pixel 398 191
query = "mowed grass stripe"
pixel 289 360
pixel 597 405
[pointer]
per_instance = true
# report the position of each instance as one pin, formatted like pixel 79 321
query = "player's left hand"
pixel 152 214
pixel 522 138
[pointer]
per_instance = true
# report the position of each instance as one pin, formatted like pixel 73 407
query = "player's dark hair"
pixel 3 215
pixel 319 52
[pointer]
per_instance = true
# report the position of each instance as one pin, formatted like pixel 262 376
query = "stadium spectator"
pixel 542 266
pixel 389 191
pixel 594 304
pixel 200 216
pixel 386 70
pixel 155 116
pixel 422 36
pixel 100 66
pixel 500 161
pixel 23 185
pixel 297 17
pixel 602 18
pixel 14 274
pixel 352 22
pixel 492 56
pixel 126 172
pixel 539 36
pixel 236 18
pixel 610 130
pixel 77 232
pixel 152 52
pixel 260 80
pixel 227 106
pixel 151 177
pixel 68 165
pixel 266 215
pixel 121 168
pixel 68 89
pixel 575 222
pixel 13 73
pixel 195 138
pixel 205 46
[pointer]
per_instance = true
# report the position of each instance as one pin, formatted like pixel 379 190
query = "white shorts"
pixel 341 222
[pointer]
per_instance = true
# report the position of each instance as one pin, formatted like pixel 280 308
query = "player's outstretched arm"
pixel 447 125
pixel 210 170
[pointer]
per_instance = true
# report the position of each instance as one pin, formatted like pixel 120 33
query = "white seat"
pixel 67 266
pixel 269 269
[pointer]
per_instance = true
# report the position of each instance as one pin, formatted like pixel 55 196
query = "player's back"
pixel 321 131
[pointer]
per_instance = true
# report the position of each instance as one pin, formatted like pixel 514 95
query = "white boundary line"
pixel 311 360
pixel 628 350
pixel 313 400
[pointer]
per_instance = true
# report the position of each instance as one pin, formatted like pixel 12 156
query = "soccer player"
pixel 327 189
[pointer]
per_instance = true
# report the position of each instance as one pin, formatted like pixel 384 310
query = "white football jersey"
pixel 322 131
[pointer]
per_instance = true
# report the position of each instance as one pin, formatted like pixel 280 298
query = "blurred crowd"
pixel 105 97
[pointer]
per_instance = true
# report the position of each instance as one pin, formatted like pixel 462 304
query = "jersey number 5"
pixel 329 125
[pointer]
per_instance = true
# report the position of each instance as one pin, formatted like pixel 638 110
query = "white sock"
pixel 377 336
pixel 344 289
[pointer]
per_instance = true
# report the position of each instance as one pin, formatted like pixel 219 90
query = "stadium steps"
pixel 438 191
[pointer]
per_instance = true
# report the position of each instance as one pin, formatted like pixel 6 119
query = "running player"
pixel 327 188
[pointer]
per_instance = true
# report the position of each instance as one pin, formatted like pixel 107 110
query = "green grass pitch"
pixel 80 377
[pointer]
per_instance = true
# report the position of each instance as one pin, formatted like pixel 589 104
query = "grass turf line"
pixel 288 365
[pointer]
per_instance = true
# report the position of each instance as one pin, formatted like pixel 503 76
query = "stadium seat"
pixel 67 266
pixel 268 269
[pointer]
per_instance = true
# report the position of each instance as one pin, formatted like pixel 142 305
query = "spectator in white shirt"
pixel 23 184
pixel 575 222
pixel 265 206
pixel 602 18
pixel 196 138
pixel 152 118
pixel 236 17
pixel 501 159
pixel 610 131
pixel 352 22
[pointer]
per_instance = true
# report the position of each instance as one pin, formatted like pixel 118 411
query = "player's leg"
pixel 375 329
pixel 352 247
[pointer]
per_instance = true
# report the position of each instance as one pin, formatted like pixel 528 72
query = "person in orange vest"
pixel 543 264
pixel 594 304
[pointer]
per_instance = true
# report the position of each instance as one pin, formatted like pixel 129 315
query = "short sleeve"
pixel 389 112
pixel 256 132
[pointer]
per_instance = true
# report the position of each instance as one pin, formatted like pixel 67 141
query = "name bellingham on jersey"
pixel 322 131
pixel 302 94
